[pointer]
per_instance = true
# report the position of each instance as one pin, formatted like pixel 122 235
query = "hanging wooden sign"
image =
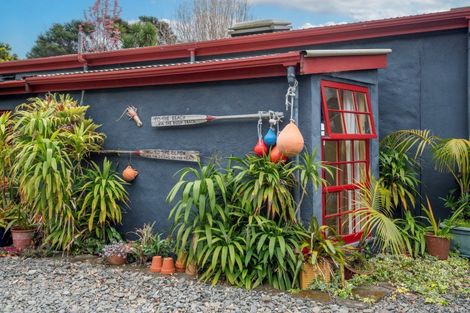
pixel 186 120
pixel 160 154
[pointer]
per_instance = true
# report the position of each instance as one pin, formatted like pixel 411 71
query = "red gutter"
pixel 231 69
pixel 453 19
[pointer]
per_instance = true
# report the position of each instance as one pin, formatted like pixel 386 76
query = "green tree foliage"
pixel 60 39
pixel 5 53
pixel 140 34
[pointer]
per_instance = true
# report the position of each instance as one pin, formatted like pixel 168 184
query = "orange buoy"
pixel 290 141
pixel 129 174
pixel 276 155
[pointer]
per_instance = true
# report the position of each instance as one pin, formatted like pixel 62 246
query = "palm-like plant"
pixel 398 176
pixel 202 201
pixel 376 217
pixel 450 155
pixel 101 194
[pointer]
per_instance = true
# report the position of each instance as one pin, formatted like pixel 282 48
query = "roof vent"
pixel 259 27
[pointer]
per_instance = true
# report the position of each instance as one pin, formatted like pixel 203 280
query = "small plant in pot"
pixel 322 249
pixel 439 234
pixel 116 253
pixel 21 222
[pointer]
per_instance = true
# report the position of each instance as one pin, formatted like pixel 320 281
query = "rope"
pixel 260 126
pixel 290 99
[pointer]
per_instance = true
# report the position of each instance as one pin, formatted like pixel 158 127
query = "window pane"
pixel 348 104
pixel 361 102
pixel 347 224
pixel 331 177
pixel 351 123
pixel 345 150
pixel 364 123
pixel 336 122
pixel 359 173
pixel 329 149
pixel 347 201
pixel 359 150
pixel 346 174
pixel 331 203
pixel 332 222
pixel 331 96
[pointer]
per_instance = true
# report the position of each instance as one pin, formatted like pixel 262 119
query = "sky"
pixel 21 21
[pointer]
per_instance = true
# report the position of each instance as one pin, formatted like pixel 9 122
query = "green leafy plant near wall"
pixel 240 222
pixel 50 140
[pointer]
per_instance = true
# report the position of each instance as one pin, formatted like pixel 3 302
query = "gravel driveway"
pixel 56 285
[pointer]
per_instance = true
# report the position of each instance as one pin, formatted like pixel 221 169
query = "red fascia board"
pixel 317 65
pixel 232 69
pixel 453 19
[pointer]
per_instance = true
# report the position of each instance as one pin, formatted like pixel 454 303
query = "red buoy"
pixel 260 149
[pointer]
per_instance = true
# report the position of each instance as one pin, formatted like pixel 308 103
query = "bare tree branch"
pixel 198 20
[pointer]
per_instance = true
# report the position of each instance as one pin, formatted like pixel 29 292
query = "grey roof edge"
pixel 344 52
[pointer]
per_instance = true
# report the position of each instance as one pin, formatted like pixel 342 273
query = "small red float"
pixel 260 149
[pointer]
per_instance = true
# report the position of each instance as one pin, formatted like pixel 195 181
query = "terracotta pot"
pixel 180 267
pixel 168 266
pixel 22 238
pixel 129 174
pixel 290 141
pixel 116 260
pixel 191 269
pixel 311 272
pixel 156 266
pixel 437 246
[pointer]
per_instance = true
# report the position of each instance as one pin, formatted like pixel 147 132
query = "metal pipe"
pixel 291 80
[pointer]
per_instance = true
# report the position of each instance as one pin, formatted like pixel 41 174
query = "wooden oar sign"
pixel 160 154
pixel 187 120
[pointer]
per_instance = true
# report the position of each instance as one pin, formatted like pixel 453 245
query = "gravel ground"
pixel 56 285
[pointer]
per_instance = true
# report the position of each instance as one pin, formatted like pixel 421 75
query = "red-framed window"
pixel 349 127
pixel 347 111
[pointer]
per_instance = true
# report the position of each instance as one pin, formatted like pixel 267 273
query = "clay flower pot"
pixel 437 246
pixel 191 269
pixel 129 174
pixel 180 267
pixel 168 266
pixel 116 260
pixel 157 262
pixel 22 238
pixel 290 141
pixel 311 272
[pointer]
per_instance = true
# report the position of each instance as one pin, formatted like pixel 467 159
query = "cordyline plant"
pixel 240 222
pixel 50 140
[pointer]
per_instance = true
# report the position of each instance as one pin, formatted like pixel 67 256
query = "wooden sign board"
pixel 174 155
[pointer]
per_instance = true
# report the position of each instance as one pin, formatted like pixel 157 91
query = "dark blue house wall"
pixel 425 86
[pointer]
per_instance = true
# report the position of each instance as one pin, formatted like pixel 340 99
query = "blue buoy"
pixel 270 138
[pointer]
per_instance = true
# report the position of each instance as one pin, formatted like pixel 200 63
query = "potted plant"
pixel 439 234
pixel 116 253
pixel 322 249
pixel 461 231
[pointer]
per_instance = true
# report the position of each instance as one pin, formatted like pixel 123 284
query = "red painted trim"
pixel 230 69
pixel 343 63
pixel 453 19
